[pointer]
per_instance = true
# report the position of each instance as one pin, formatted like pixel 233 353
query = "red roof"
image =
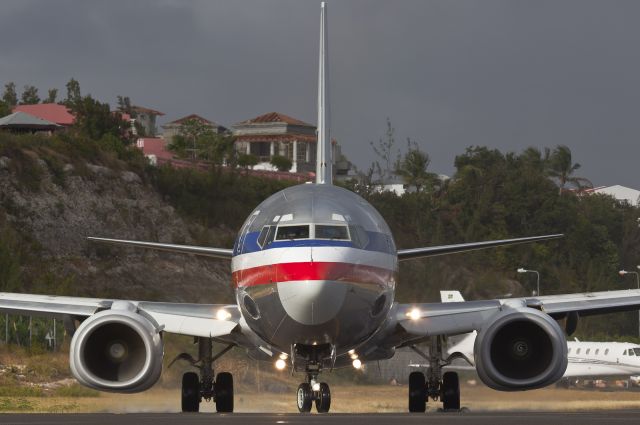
pixel 191 117
pixel 275 117
pixel 289 137
pixel 53 112
pixel 154 146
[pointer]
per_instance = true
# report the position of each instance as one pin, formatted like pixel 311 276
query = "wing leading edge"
pixel 432 251
pixel 223 253
pixel 204 320
pixel 419 321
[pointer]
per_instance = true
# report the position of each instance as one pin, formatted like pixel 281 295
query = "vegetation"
pixel 282 163
pixel 197 141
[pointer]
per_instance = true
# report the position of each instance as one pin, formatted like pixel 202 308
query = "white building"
pixel 621 193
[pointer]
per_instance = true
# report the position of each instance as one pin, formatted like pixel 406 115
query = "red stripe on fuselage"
pixel 286 272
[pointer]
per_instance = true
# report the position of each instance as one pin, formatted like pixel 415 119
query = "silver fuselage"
pixel 314 264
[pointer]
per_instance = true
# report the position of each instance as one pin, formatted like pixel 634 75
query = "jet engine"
pixel 117 350
pixel 520 349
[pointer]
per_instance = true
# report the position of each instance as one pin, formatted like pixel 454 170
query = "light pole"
pixel 522 270
pixel 624 272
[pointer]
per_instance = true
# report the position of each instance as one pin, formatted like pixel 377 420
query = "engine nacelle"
pixel 117 350
pixel 520 350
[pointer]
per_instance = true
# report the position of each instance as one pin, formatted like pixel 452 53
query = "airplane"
pixel 586 359
pixel 314 270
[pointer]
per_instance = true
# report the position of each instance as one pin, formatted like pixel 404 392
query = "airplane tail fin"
pixel 324 174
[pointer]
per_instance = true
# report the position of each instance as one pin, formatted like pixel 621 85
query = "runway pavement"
pixel 600 417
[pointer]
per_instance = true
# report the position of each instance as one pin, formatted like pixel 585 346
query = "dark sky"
pixel 449 74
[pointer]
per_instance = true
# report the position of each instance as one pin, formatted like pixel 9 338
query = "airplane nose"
pixel 312 302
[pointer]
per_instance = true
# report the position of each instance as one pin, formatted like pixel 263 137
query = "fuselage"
pixel 602 359
pixel 314 264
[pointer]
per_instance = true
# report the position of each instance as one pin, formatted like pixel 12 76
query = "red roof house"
pixel 155 149
pixel 52 112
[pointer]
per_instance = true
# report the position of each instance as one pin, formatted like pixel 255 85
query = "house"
pixel 621 193
pixel 52 112
pixel 173 128
pixel 146 118
pixel 155 149
pixel 21 122
pixel 274 134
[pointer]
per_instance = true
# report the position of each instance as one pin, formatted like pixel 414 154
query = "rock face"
pixel 110 203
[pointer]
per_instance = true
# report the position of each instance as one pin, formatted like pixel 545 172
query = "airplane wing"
pixel 412 323
pixel 203 320
pixel 432 251
pixel 223 253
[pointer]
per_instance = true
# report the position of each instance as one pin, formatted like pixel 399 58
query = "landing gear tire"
pixel 417 392
pixel 323 401
pixel 304 398
pixel 190 392
pixel 224 392
pixel 450 391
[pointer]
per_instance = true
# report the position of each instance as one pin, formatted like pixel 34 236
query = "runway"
pixel 599 417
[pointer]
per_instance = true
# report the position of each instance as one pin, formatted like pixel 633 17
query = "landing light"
pixel 223 315
pixel 315 386
pixel 280 364
pixel 284 356
pixel 357 364
pixel 353 356
pixel 414 314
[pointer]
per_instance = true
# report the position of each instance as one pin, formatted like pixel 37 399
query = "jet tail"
pixel 324 173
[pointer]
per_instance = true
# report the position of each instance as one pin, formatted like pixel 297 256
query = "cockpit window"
pixel 292 232
pixel 327 231
pixel 265 236
pixel 631 352
pixel 637 351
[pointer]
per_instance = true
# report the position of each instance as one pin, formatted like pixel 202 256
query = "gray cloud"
pixel 449 74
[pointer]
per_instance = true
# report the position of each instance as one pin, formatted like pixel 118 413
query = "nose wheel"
pixel 306 395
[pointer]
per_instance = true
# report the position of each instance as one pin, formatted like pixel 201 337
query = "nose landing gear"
pixel 311 391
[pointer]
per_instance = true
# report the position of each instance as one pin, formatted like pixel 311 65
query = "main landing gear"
pixel 196 387
pixel 436 386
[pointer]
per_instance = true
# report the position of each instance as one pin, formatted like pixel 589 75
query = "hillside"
pixel 51 199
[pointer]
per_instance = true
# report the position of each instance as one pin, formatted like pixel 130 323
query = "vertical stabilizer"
pixel 323 156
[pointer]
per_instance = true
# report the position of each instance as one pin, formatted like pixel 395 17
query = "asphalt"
pixel 601 417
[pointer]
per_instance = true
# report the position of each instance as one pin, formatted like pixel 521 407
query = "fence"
pixel 27 331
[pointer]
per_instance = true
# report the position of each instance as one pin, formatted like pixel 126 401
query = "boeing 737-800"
pixel 585 359
pixel 314 271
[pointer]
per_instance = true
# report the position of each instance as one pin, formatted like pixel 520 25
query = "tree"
pixel 4 109
pixel 10 97
pixel 413 167
pixel 124 106
pixel 282 163
pixel 73 93
pixel 561 168
pixel 247 160
pixel 388 155
pixel 95 120
pixel 51 96
pixel 30 96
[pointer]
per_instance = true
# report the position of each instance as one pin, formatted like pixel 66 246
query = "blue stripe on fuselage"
pixel 377 242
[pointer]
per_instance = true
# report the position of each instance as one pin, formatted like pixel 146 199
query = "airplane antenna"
pixel 324 174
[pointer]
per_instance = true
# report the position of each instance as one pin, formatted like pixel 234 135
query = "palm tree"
pixel 413 168
pixel 562 168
